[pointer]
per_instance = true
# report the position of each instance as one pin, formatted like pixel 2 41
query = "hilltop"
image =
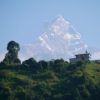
pixel 52 80
pixel 47 80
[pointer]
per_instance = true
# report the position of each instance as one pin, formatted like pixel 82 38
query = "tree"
pixel 12 55
pixel 31 65
pixel 43 64
pixel 29 62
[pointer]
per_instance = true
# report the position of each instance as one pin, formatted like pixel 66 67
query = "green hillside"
pixel 52 80
pixel 47 80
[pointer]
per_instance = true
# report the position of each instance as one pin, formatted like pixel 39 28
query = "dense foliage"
pixel 49 80
pixel 12 54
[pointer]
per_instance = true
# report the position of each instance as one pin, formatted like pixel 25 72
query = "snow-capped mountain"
pixel 61 40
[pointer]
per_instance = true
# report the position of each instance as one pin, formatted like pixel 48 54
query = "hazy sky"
pixel 25 20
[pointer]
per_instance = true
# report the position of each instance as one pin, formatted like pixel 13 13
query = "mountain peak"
pixel 59 25
pixel 61 19
pixel 61 40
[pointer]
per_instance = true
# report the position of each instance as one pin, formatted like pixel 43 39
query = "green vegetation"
pixel 49 80
pixel 12 55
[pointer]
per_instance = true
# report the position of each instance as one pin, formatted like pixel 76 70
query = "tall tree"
pixel 12 54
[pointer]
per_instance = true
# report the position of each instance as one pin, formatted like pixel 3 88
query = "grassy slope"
pixel 73 84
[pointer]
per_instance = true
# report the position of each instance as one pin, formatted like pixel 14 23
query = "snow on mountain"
pixel 61 40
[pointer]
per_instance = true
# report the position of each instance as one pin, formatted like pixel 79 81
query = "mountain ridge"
pixel 61 40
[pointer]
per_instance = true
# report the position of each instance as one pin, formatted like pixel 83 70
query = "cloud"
pixel 95 55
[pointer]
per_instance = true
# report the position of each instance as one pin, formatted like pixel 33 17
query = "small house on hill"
pixel 80 57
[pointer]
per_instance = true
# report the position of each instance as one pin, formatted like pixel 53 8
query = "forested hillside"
pixel 48 80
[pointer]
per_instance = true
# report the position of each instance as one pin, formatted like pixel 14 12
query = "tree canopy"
pixel 12 54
